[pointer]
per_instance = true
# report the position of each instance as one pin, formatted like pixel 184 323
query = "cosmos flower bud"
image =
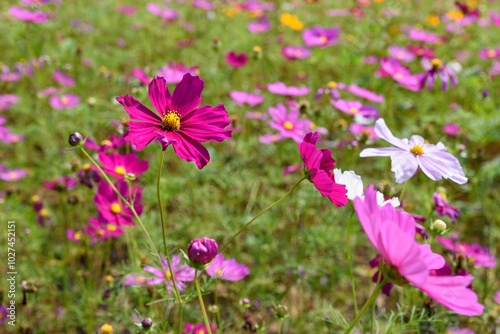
pixel 439 225
pixel 202 251
pixel 75 139
pixel 147 323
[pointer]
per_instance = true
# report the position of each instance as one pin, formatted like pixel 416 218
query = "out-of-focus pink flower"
pixel 236 60
pixel 291 169
pixel 203 4
pixel 436 68
pixel 256 115
pixel 401 53
pixel 479 256
pixel 355 108
pixel 174 72
pixel 260 26
pixel 241 98
pixel 180 273
pixel 489 53
pixel 279 88
pixel 112 208
pixel 443 208
pixel 494 70
pixel 322 37
pixel 271 138
pixel 421 51
pixel 63 79
pixel 365 93
pixel 227 269
pixel 288 123
pixel 127 10
pixel 332 88
pixel 7 100
pixel 141 76
pixel 399 73
pixel 423 36
pixel 62 183
pixel 164 12
pixel 451 129
pixel 29 16
pixel 74 236
pixel 65 101
pixel 119 165
pixel 291 52
pixel 12 174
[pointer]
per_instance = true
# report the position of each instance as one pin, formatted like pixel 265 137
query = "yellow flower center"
pixel 100 232
pixel 353 110
pixel 219 272
pixel 171 121
pixel 116 208
pixel 257 49
pixel 12 175
pixel 86 167
pixel 398 75
pixel 313 126
pixel 462 248
pixel 106 142
pixel 35 198
pixel 64 100
pixel 332 84
pixel 201 331
pixel 106 329
pixel 169 275
pixel 44 212
pixel 78 235
pixel 456 15
pixel 436 63
pixel 111 227
pixel 120 170
pixel 491 53
pixel 443 195
pixel 323 40
pixel 108 278
pixel 417 150
pixel 288 125
pixel 433 20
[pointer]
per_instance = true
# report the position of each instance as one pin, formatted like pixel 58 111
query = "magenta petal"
pixel 187 94
pixel 338 196
pixel 159 95
pixel 190 150
pixel 321 181
pixel 207 124
pixel 432 260
pixel 137 111
pixel 141 134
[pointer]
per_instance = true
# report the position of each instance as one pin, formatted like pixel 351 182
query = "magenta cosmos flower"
pixel 478 255
pixel 423 36
pixel 29 16
pixel 279 88
pixel 119 165
pixel 112 208
pixel 292 52
pixel 228 270
pixel 180 122
pixel 322 37
pixel 198 328
pixel 202 251
pixel 392 233
pixel 331 88
pixel 260 26
pixel 400 53
pixel 408 155
pixel 180 273
pixel 436 68
pixel 320 165
pixel 401 74
pixel 443 208
pixel 288 123
pixel 489 53
pixel 63 79
pixel 236 59
pixel 64 102
pixel 112 143
pixel 12 174
pixel 355 108
pixel 62 183
pixel 241 98
pixel 100 229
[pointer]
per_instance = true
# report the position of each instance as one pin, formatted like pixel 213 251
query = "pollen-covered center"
pixel 323 40
pixel 417 150
pixel 353 110
pixel 398 75
pixel 120 170
pixel 332 84
pixel 116 208
pixel 219 272
pixel 111 227
pixel 288 125
pixel 171 121
pixel 436 63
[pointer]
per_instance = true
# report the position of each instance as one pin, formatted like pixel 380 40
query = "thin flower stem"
pixel 159 201
pixel 179 325
pixel 372 315
pixel 403 191
pixel 260 214
pixel 280 325
pixel 136 216
pixel 202 305
pixel 350 265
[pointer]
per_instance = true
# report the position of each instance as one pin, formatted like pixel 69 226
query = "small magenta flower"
pixel 164 12
pixel 228 270
pixel 288 123
pixel 64 102
pixel 292 52
pixel 365 93
pixel 174 72
pixel 120 165
pixel 279 88
pixel 436 68
pixel 241 98
pixel 478 255
pixel 355 108
pixel 260 26
pixel 3 314
pixel 322 37
pixel 202 251
pixel 401 53
pixel 409 155
pixel 443 208
pixel 112 208
pixel 331 88
pixel 29 16
pixel 236 59
pixel 62 183
pixel 63 79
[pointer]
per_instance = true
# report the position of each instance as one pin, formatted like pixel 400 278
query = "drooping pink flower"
pixel 236 59
pixel 62 183
pixel 174 72
pixel 443 208
pixel 322 37
pixel 181 123
pixel 120 165
pixel 320 165
pixel 112 208
pixel 28 15
pixel 164 12
pixel 408 155
pixel 292 52
pixel 228 270
pixel 241 98
pixel 288 123
pixel 64 102
pixel 400 53
pixel 479 256
pixel 279 88
pixel 63 79
pixel 180 273
pixel 436 68
pixel 355 108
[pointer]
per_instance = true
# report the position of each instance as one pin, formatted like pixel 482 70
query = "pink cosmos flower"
pixel 180 273
pixel 436 68
pixel 479 256
pixel 112 208
pixel 443 208
pixel 260 26
pixel 228 270
pixel 364 130
pixel 423 36
pixel 292 52
pixel 271 138
pixel 198 328
pixel 99 229
pixel 134 280
pixel 8 76
pixel 112 143
pixel 174 72
pixel 489 53
pixel 7 100
pixel 141 76
pixel 392 233
pixel 408 155
pixel 64 102
pixel 236 59
pixel 320 165
pixel 240 98
pixel 74 236
pixel 355 108
pixel 288 123
pixel 127 10
pixel 456 330
pixel 162 11
pixel 62 183
pixel 256 115
pixel 29 16
pixel 322 37
pixel 400 53
pixel 494 70
pixel 331 88
pixel 291 169
pixel 203 4
pixel 12 175
pixel 400 73
pixel 365 93
pixel 119 165
pixel 180 123
pixel 279 88
pixel 35 2
pixel 421 51
pixel 63 79
pixel 451 129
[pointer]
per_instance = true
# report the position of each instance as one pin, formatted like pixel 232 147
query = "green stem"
pixel 217 305
pixel 179 325
pixel 159 201
pixel 280 325
pixel 350 266
pixel 260 214
pixel 403 191
pixel 202 305
pixel 136 216
pixel 365 307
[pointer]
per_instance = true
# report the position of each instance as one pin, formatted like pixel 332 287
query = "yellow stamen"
pixel 353 110
pixel 120 170
pixel 443 195
pixel 35 198
pixel 100 233
pixel 288 125
pixel 44 212
pixel 398 75
pixel 86 167
pixel 106 142
pixel 323 40
pixel 111 227
pixel 219 272
pixel 332 84
pixel 116 208
pixel 417 150
pixel 171 121
pixel 436 63
pixel 78 235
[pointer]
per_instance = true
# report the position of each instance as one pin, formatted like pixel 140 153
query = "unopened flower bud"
pixel 130 176
pixel 75 139
pixel 439 225
pixel 202 251
pixel 147 323
pixel 245 302
pixel 281 311
pixel 213 309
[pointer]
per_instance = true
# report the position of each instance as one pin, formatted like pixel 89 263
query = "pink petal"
pixel 187 94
